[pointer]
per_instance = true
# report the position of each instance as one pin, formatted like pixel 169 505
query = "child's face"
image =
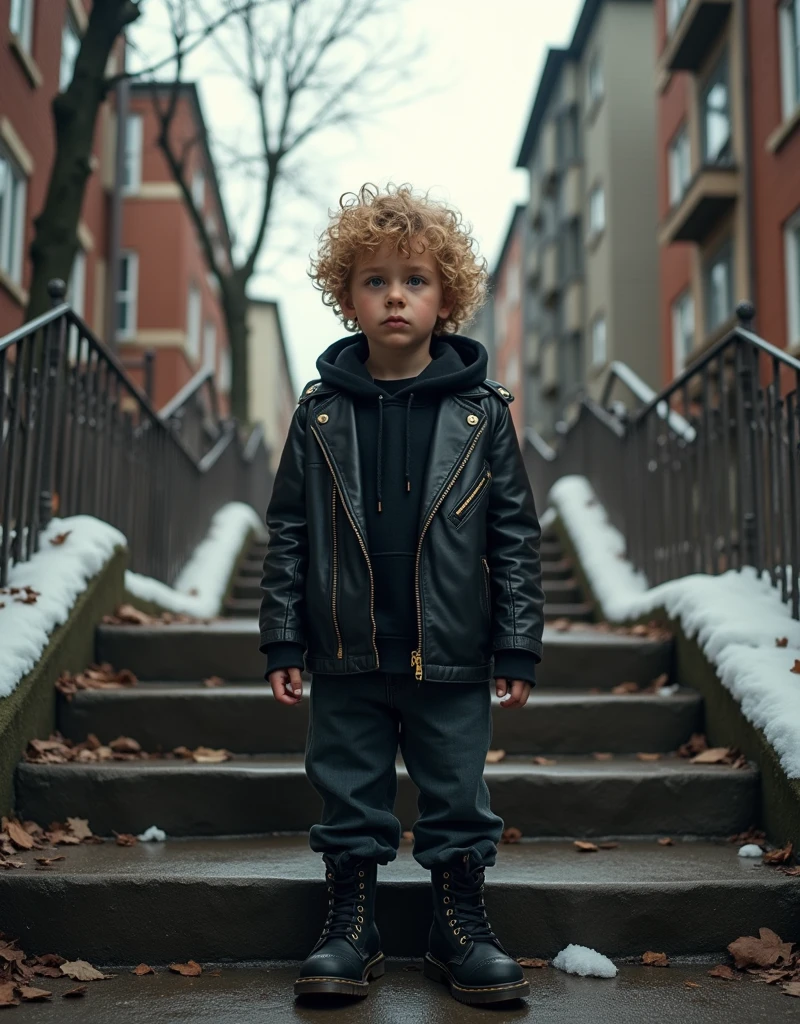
pixel 396 299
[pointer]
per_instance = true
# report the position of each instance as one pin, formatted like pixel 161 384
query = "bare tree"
pixel 304 66
pixel 75 113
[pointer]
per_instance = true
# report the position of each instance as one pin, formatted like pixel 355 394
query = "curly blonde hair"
pixel 368 218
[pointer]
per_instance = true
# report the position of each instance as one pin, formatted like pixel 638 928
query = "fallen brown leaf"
pixel 214 681
pixel 80 827
pixel 82 970
pixel 796 667
pixel 583 847
pixel 694 745
pixel 782 856
pixel 17 834
pixel 763 951
pixel 79 990
pixel 189 970
pixel 31 995
pixel 652 959
pixel 725 972
pixel 715 755
pixel 142 969
pixel 532 961
pixel 691 984
pixel 125 745
pixel 7 994
pixel 408 835
pixel 511 835
pixel 648 757
pixel 59 538
pixel 782 641
pixel 47 861
pixel 544 762
pixel 205 755
pixel 658 683
pixel 623 688
pixel 493 756
pixel 791 989
pixel 603 757
pixel 125 839
pixel 666 841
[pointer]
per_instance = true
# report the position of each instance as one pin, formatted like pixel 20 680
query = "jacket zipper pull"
pixel 416 663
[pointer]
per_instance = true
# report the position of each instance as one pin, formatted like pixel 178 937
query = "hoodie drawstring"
pixel 379 466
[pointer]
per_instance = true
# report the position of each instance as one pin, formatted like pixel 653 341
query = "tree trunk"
pixel 75 111
pixel 234 301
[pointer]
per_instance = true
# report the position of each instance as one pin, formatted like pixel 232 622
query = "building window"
pixel 682 331
pixel 793 278
pixel 675 9
pixel 597 210
pixel 76 289
pixel 132 171
pixel 12 216
pixel 198 189
pixel 790 55
pixel 570 250
pixel 70 45
pixel 194 311
pixel 719 286
pixel 680 165
pixel 599 341
pixel 127 294
pixel 225 370
pixel 595 86
pixel 21 23
pixel 568 137
pixel 716 102
pixel 210 346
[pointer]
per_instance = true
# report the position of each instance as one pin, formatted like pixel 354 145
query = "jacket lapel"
pixel 340 442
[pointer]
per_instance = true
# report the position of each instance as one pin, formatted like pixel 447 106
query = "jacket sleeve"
pixel 513 535
pixel 282 614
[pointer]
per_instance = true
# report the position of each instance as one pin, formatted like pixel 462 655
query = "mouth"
pixel 396 320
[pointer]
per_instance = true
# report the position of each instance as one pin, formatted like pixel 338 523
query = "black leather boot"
pixel 348 952
pixel 463 951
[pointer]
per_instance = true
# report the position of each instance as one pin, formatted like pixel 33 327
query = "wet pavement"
pixel 263 994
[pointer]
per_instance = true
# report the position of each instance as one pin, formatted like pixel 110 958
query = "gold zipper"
pixel 486 582
pixel 333 592
pixel 363 548
pixel 470 497
pixel 416 656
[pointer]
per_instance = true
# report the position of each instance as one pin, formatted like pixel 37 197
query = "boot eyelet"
pixel 446 874
pixel 449 912
pixel 358 927
pixel 445 886
pixel 446 899
pixel 360 919
pixel 463 940
pixel 354 936
pixel 456 931
pixel 360 910
pixel 361 885
pixel 361 874
pixel 452 923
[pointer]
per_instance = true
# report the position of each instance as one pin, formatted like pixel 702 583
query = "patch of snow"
pixel 59 572
pixel 584 961
pixel 152 835
pixel 750 850
pixel 668 691
pixel 200 586
pixel 547 518
pixel 736 617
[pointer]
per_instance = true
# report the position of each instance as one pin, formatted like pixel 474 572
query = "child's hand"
pixel 285 680
pixel 519 690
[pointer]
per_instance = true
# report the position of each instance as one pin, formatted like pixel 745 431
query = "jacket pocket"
pixel 487 590
pixel 473 498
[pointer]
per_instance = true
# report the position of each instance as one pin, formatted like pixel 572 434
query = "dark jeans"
pixel 443 731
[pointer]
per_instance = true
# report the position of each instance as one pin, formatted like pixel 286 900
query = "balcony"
pixel 533 350
pixel 533 263
pixel 710 195
pixel 695 34
pixel 573 307
pixel 549 282
pixel 571 194
pixel 535 201
pixel 549 372
pixel 549 153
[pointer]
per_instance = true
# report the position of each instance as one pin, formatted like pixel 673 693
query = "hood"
pixel 456 363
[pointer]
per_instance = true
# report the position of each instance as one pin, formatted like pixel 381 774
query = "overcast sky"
pixel 460 139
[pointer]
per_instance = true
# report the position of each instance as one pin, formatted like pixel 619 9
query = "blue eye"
pixel 371 279
pixel 416 278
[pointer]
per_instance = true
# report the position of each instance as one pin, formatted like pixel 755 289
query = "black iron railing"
pixel 193 414
pixel 702 477
pixel 78 436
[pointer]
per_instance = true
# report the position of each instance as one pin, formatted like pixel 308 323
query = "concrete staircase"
pixel 236 880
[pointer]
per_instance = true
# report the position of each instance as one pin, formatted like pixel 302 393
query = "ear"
pixel 446 307
pixel 347 307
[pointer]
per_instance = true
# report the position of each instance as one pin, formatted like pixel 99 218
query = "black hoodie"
pixel 395 420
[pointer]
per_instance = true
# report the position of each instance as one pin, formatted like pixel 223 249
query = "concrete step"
pixel 566 591
pixel 250 570
pixel 259 898
pixel 246 587
pixel 240 994
pixel 244 607
pixel 228 648
pixel 578 796
pixel 551 549
pixel 247 719
pixel 576 611
pixel 556 569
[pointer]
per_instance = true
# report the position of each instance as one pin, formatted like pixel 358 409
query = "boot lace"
pixel 343 904
pixel 466 890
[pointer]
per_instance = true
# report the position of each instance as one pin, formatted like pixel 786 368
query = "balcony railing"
pixel 78 436
pixel 712 462
pixel 695 34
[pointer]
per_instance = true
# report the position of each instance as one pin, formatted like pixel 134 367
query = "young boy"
pixel 403 563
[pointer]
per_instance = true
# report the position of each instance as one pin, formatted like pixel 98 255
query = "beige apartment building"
pixel 591 260
pixel 272 393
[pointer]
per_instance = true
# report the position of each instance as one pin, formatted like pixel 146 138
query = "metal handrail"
pixel 77 435
pixel 704 476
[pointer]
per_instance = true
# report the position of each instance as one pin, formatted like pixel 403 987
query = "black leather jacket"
pixel 477 570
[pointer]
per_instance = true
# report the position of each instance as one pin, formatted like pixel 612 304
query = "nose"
pixel 394 295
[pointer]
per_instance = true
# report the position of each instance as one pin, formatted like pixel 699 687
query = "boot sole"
pixel 342 986
pixel 472 996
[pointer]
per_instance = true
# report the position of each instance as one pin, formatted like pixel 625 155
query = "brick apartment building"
pixel 728 108
pixel 507 288
pixel 164 299
pixel 591 253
